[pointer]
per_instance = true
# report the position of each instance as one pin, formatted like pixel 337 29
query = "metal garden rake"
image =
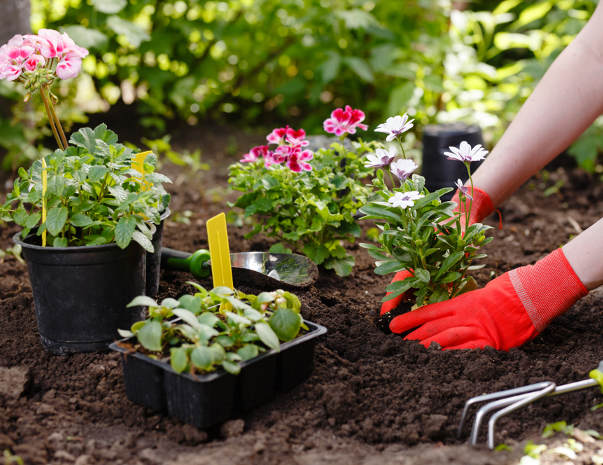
pixel 509 400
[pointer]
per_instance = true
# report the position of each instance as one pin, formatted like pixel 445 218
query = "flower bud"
pixel 27 97
pixel 419 242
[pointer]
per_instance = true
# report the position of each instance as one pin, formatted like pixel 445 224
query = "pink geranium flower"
pixel 344 121
pixel 297 159
pixel 261 151
pixel 34 61
pixel 287 135
pixel 69 67
pixel 275 158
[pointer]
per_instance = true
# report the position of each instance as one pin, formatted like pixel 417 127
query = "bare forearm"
pixel 565 102
pixel 585 254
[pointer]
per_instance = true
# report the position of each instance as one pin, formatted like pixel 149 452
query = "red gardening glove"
pixel 510 310
pixel 481 205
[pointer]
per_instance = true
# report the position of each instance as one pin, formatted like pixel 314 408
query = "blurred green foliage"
pixel 298 59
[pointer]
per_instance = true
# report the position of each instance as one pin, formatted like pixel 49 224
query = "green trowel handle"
pixel 196 263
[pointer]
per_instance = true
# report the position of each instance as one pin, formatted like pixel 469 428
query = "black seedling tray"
pixel 203 400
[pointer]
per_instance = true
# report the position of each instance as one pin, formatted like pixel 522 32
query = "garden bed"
pixel 372 398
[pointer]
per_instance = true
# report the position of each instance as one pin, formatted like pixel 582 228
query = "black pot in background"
pixel 80 293
pixel 154 259
pixel 438 170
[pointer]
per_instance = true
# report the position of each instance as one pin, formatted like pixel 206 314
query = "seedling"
pixel 217 328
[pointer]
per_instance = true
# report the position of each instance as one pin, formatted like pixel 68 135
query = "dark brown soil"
pixel 372 399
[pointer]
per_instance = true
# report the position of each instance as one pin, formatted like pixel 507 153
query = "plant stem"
pixel 50 118
pixel 57 121
pixel 401 147
pixel 468 212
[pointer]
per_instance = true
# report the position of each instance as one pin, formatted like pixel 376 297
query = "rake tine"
pixel 527 399
pixel 498 395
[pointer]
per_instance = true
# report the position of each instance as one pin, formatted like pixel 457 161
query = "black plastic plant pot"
pixel 80 293
pixel 204 400
pixel 438 170
pixel 154 259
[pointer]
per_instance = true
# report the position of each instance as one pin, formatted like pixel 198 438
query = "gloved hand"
pixel 480 208
pixel 510 310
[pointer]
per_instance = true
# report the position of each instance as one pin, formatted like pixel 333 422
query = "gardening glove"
pixel 480 208
pixel 510 310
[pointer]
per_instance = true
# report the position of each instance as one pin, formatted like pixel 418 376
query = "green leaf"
pixel 316 253
pixel 360 67
pixel 142 301
pixel 451 277
pixel 55 220
pixel 248 351
pixel 178 359
pixel 285 323
pixel 143 240
pixel 150 336
pixel 86 37
pixel 32 220
pixel 132 32
pixel 388 266
pixel 230 367
pixel 422 275
pixel 96 173
pixel 449 262
pixel 79 220
pixel 267 335
pixel 279 247
pixel 238 319
pixel 124 230
pixel 202 357
pixel 109 6
pixel 376 212
pixel 188 317
pixel 330 67
pixel 84 138
pixel 191 303
pixel 59 242
pixel 399 98
pixel 208 319
pixel 341 266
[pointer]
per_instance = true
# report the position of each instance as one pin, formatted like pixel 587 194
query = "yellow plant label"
pixel 44 189
pixel 219 252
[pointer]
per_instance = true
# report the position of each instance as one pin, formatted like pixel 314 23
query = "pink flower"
pixel 344 121
pixel 69 67
pixel 13 58
pixel 297 159
pixel 287 135
pixel 261 151
pixel 60 45
pixel 275 158
pixel 34 61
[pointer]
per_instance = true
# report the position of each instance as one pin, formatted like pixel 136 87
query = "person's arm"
pixel 564 103
pixel 585 254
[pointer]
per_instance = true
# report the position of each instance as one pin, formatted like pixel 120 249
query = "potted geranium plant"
pixel 307 200
pixel 204 356
pixel 88 210
pixel 419 232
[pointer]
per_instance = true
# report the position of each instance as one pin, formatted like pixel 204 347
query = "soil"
pixel 372 398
